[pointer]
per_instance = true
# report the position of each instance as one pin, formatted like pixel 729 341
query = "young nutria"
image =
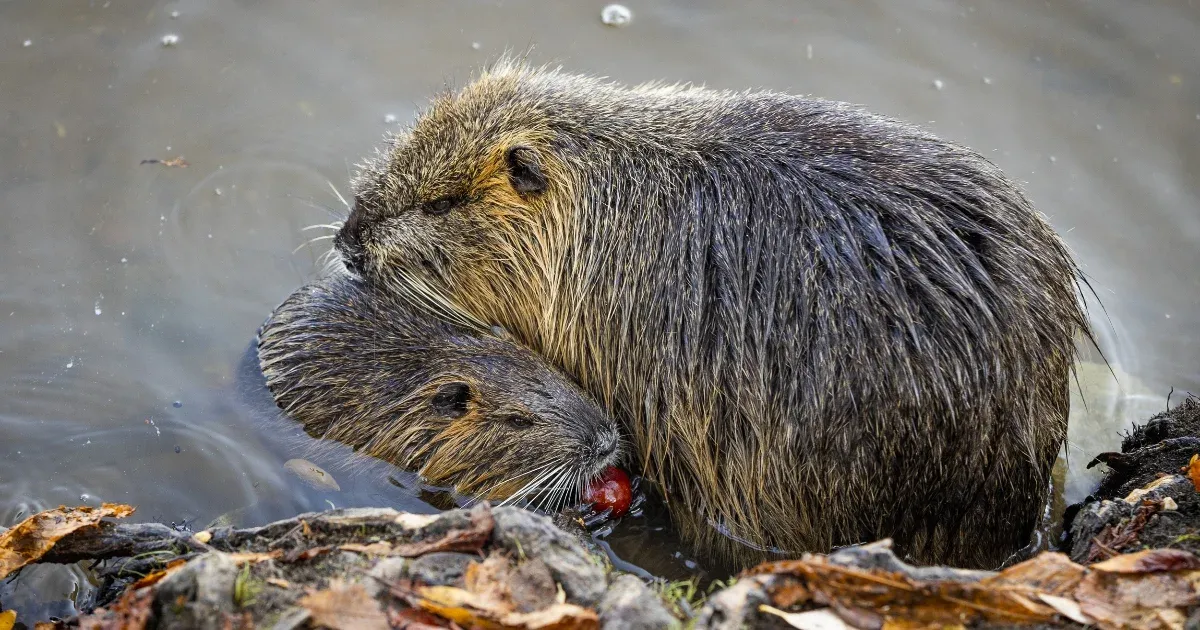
pixel 472 411
pixel 819 326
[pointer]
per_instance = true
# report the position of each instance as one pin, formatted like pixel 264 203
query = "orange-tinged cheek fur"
pixel 454 451
pixel 516 280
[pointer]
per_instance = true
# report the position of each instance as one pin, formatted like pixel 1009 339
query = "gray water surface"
pixel 127 287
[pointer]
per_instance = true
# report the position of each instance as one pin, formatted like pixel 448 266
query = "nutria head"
pixel 461 206
pixel 477 412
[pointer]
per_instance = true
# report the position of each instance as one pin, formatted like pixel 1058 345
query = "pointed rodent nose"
pixel 607 443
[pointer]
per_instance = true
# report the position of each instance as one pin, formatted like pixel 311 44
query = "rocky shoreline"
pixel 1130 558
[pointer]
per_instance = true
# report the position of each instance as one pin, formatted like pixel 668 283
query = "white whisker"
pixel 309 242
pixel 338 194
pixel 317 226
pixel 532 485
pixel 480 495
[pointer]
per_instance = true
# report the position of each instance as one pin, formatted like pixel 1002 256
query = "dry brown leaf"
pixel 311 474
pixel 906 624
pixel 30 539
pixel 281 583
pixel 45 625
pixel 345 606
pixel 157 576
pixel 820 619
pixel 899 600
pixel 130 612
pixel 471 610
pixel 1068 608
pixel 471 539
pixel 1150 561
pixel 8 619
pixel 253 557
pixel 488 582
pixel 1048 572
pixel 415 619
pixel 556 617
pixel 1118 600
pixel 408 520
pixel 377 548
pixel 1193 471
pixel 307 554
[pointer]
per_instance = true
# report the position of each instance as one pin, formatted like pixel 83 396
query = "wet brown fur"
pixel 818 326
pixel 366 370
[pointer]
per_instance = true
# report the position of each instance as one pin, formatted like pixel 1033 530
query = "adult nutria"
pixel 818 326
pixel 473 411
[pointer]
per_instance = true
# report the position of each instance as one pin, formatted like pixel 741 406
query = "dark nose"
pixel 348 242
pixel 607 443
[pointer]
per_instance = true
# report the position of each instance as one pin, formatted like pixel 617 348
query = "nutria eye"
pixel 441 206
pixel 451 400
pixel 519 421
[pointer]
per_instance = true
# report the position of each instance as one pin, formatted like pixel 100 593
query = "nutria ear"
pixel 525 170
pixel 451 400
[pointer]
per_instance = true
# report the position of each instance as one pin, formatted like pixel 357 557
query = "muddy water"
pixel 130 290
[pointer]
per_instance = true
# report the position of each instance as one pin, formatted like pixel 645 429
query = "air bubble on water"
pixel 71 363
pixel 170 39
pixel 210 236
pixel 938 84
pixel 475 45
pixel 1053 158
pixel 616 15
pixel 27 43
pixel 97 306
pixel 218 192
pixel 124 260
pixel 84 497
pixel 808 51
pixel 987 80
pixel 1099 127
pixel 389 119
pixel 174 15
pixel 177 404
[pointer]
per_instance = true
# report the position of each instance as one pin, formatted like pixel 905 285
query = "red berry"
pixel 610 491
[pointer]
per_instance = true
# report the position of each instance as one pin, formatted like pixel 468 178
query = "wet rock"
pixel 532 587
pixel 439 569
pixel 528 535
pixel 1146 498
pixel 737 607
pixel 629 603
pixel 200 595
